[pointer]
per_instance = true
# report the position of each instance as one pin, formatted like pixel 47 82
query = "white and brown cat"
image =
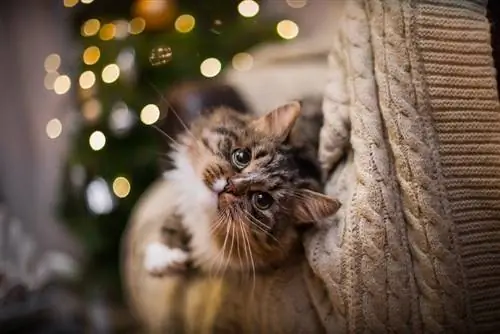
pixel 242 195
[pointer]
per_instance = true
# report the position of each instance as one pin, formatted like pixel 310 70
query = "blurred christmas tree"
pixel 131 50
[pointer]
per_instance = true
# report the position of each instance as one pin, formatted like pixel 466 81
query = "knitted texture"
pixel 454 44
pixel 412 84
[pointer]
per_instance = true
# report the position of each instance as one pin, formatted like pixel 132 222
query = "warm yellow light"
pixel 62 84
pixel 121 29
pixel 87 79
pixel 287 29
pixel 53 128
pixel 296 3
pixel 52 62
pixel 91 110
pixel 87 1
pixel 184 23
pixel 70 3
pixel 248 8
pixel 136 25
pixel 210 67
pixel 50 79
pixel 242 61
pixel 110 73
pixel 150 114
pixel 121 187
pixel 108 31
pixel 91 27
pixel 97 140
pixel 91 55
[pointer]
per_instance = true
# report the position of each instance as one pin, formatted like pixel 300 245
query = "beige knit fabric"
pixel 412 100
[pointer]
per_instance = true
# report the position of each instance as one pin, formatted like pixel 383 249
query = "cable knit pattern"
pixel 460 77
pixel 420 229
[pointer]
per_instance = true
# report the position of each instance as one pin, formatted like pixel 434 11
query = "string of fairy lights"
pixel 91 109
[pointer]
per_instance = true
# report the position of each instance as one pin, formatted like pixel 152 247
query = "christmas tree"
pixel 131 51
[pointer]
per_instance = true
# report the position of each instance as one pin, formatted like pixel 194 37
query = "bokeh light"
pixel 242 61
pixel 91 110
pixel 107 32
pixel 150 114
pixel 121 187
pixel 185 23
pixel 90 27
pixel 210 67
pixel 296 3
pixel 287 29
pixel 62 84
pixel 53 128
pixel 52 62
pixel 97 140
pixel 110 73
pixel 87 79
pixel 136 25
pixel 70 3
pixel 87 1
pixel 248 8
pixel 91 55
pixel 50 79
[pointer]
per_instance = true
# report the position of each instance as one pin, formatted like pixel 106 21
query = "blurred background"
pixel 86 89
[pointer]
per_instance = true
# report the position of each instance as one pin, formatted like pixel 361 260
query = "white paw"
pixel 159 258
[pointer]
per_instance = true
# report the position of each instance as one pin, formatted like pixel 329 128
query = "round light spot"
pixel 136 25
pixel 91 110
pixel 121 27
pixel 62 84
pixel 91 55
pixel 287 29
pixel 248 8
pixel 53 128
pixel 150 114
pixel 90 27
pixel 210 67
pixel 185 23
pixel 87 1
pixel 70 3
pixel 97 140
pixel 296 3
pixel 121 187
pixel 87 79
pixel 242 61
pixel 52 62
pixel 110 73
pixel 108 32
pixel 50 79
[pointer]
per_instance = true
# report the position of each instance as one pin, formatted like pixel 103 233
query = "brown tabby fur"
pixel 260 285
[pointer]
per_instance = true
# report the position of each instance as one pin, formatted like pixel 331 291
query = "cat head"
pixel 239 176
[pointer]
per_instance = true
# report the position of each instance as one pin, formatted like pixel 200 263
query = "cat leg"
pixel 170 255
pixel 160 259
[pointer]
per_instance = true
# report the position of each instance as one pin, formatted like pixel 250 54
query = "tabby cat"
pixel 243 195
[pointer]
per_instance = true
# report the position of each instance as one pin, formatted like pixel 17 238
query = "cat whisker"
pixel 171 107
pixel 248 246
pixel 258 224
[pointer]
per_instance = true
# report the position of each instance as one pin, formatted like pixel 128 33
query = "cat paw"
pixel 160 259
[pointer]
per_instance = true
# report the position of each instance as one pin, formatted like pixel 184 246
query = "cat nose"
pixel 230 187
pixel 236 185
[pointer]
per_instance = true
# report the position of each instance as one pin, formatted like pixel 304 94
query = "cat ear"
pixel 279 122
pixel 312 206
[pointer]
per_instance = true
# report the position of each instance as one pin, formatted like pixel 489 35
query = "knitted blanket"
pixel 412 134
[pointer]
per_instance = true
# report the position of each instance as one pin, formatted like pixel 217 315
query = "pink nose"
pixel 230 187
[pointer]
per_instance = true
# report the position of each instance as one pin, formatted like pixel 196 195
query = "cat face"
pixel 256 190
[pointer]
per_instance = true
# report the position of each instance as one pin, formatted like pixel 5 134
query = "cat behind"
pixel 243 194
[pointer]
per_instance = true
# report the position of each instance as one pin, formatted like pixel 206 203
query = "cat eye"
pixel 262 200
pixel 240 158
